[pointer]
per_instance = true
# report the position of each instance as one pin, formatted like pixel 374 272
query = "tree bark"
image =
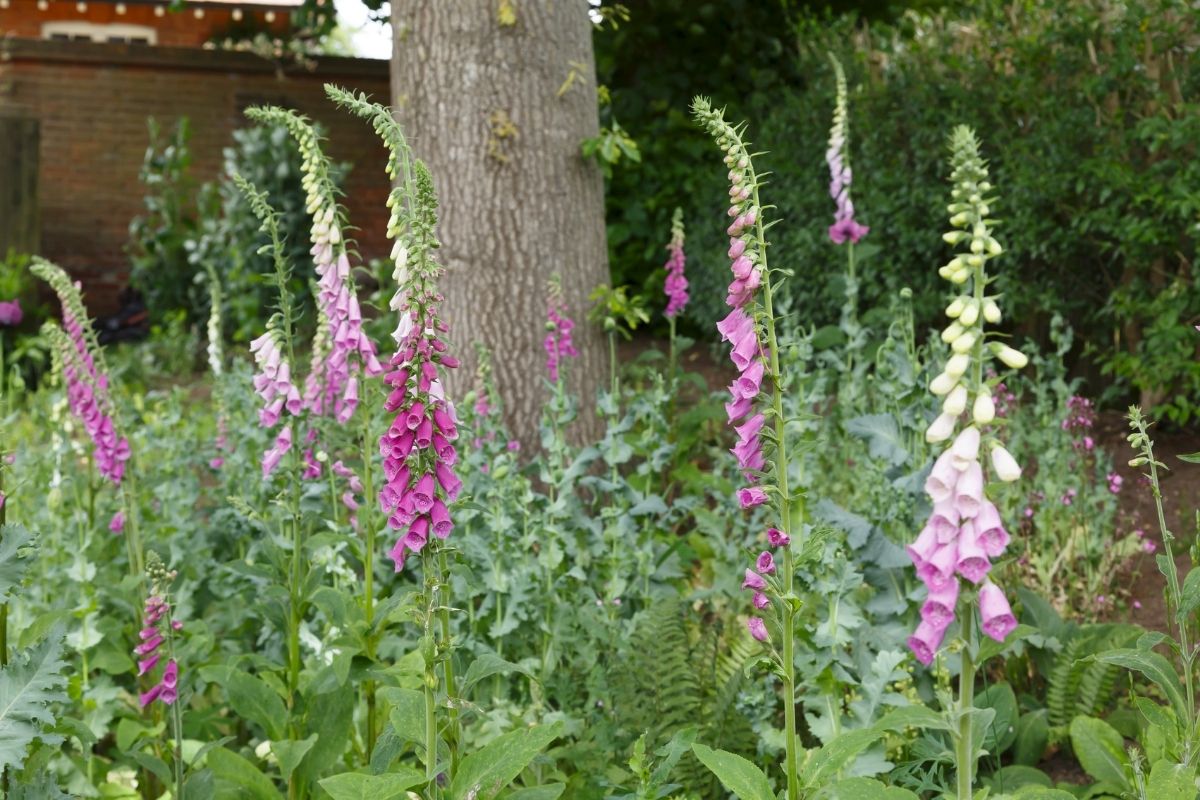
pixel 496 96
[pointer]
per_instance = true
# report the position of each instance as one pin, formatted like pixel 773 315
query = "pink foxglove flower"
pixel 558 343
pixel 676 285
pixel 117 523
pixel 758 629
pixel 157 636
pixel 997 616
pixel 844 228
pixel 11 314
pixel 418 448
pixel 778 538
pixel 964 531
pixel 84 374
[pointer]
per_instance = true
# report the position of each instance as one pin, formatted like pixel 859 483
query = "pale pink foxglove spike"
pixel 925 641
pixel 938 608
pixel 995 612
pixel 973 562
pixel 990 530
pixel 968 492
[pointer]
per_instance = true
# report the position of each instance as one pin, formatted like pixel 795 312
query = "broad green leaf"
pixel 252 699
pixel 408 713
pixel 551 791
pixel 1041 793
pixel 357 786
pixel 1001 731
pixel 670 753
pixel 1156 668
pixel 290 752
pixel 130 730
pixel 1169 781
pixel 863 789
pixel 1013 777
pixel 919 717
pixel 15 546
pixel 883 437
pixel 238 779
pixel 1033 736
pixel 28 686
pixel 484 773
pixel 1100 751
pixel 824 764
pixel 1190 595
pixel 488 665
pixel 735 773
pixel 331 716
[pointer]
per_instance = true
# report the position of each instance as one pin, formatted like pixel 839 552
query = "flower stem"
pixel 964 748
pixel 789 525
pixel 448 656
pixel 367 518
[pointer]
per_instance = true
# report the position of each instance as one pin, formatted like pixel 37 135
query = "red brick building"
pixel 79 79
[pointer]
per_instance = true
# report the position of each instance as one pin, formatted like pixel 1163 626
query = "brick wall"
pixel 186 27
pixel 92 101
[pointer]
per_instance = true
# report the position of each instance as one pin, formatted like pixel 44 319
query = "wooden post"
pixel 20 222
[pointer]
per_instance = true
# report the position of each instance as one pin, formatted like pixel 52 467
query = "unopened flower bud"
pixel 984 409
pixel 993 247
pixel 960 277
pixel 952 332
pixel 1004 464
pixel 961 218
pixel 1012 358
pixel 940 429
pixel 991 312
pixel 964 343
pixel 953 237
pixel 975 261
pixel 969 314
pixel 956 401
pixel 943 383
pixel 956 367
pixel 977 245
pixel 955 308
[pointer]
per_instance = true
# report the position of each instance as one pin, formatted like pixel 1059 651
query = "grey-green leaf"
pixel 28 686
pixel 735 773
pixel 1101 751
pixel 482 774
pixel 357 786
pixel 253 699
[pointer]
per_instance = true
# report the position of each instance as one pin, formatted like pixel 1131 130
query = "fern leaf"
pixel 28 686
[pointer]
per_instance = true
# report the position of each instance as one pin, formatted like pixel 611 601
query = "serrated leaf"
pixel 883 437
pixel 28 686
pixel 484 773
pixel 735 773
pixel 856 527
pixel 357 786
pixel 1100 751
pixel 15 547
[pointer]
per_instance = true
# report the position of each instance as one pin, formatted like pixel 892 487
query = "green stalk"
pixel 448 656
pixel 851 305
pixel 431 680
pixel 786 522
pixel 964 749
pixel 367 517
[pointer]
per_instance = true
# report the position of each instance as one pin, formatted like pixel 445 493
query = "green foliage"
pixel 29 686
pixel 1090 117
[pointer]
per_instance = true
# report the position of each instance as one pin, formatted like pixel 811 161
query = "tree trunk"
pixel 496 97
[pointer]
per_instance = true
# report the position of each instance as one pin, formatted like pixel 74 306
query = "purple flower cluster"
pixel 275 454
pixel 87 385
pixel 332 384
pixel 1081 416
pixel 156 622
pixel 962 535
pixel 418 450
pixel 273 383
pixel 844 228
pixel 756 581
pixel 10 313
pixel 676 285
pixel 558 343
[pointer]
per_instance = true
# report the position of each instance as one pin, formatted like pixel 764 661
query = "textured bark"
pixel 482 101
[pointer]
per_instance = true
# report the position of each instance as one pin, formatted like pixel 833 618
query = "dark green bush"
pixel 1086 111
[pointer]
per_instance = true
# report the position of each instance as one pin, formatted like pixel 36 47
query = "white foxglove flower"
pixel 956 401
pixel 940 429
pixel 984 410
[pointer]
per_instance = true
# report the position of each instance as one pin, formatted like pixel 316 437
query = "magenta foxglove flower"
pixel 417 449
pixel 157 629
pixel 765 563
pixel 997 616
pixel 844 228
pixel 754 581
pixel 82 367
pixel 117 523
pixel 676 285
pixel 11 314
pixel 558 343
pixel 758 629
pixel 778 538
pixel 925 641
